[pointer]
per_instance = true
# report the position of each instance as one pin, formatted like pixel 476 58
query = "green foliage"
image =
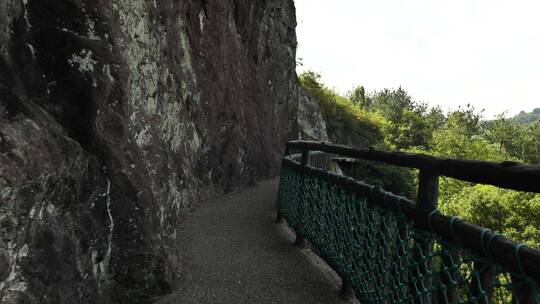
pixel 520 141
pixel 435 119
pixel 502 132
pixel 515 214
pixel 460 137
pixel 529 143
pixel 526 118
pixel 465 121
pixel 410 124
pixel 447 142
pixel 409 131
pixel 392 119
pixel 341 113
pixel 358 96
pixel 510 212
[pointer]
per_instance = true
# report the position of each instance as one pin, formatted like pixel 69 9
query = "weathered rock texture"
pixel 311 123
pixel 345 136
pixel 118 115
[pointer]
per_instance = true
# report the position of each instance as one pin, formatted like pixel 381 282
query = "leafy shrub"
pixel 513 213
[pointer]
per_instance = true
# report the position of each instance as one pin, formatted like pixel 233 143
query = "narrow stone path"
pixel 235 253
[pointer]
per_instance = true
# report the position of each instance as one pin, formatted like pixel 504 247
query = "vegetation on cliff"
pixel 409 125
pixel 340 112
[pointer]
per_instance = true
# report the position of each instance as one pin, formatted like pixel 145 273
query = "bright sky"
pixel 444 52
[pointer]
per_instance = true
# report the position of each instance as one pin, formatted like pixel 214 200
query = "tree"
pixel 531 142
pixel 465 121
pixel 518 140
pixel 505 134
pixel 409 130
pixel 460 136
pixel 391 103
pixel 358 96
pixel 435 118
pixel 513 213
pixel 526 118
pixel 410 124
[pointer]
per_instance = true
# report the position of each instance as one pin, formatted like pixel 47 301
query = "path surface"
pixel 235 253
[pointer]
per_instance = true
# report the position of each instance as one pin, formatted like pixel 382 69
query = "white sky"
pixel 450 53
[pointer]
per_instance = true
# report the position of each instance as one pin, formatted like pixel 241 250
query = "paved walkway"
pixel 235 253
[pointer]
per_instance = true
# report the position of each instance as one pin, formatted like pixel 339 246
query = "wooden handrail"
pixel 509 175
pixel 506 175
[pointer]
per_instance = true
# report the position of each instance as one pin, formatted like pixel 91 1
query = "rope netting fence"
pixel 371 239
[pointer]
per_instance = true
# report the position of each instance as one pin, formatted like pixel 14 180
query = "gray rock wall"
pixel 311 124
pixel 118 116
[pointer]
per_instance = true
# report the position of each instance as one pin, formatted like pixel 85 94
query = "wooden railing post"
pixel 428 197
pixel 300 240
pixel 305 158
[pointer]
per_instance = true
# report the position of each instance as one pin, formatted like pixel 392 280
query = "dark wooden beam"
pixel 508 175
pixel 428 198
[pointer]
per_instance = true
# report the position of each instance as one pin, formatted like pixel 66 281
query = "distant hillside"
pixel 524 118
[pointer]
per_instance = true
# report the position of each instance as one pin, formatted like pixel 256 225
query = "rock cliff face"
pixel 116 116
pixel 311 124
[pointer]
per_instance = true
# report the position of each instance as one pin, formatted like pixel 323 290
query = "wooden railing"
pixel 424 213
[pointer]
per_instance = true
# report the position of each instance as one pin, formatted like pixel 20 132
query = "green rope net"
pixel 379 254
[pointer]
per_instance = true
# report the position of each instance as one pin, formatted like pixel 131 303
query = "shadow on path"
pixel 233 252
